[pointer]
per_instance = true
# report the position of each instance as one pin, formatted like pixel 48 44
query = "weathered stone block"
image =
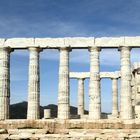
pixel 109 41
pixel 49 42
pixel 79 41
pixel 132 41
pixel 19 42
pixel 47 113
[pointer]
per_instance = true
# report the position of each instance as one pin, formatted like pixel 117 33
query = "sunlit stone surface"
pixel 33 111
pixel 63 89
pixel 122 124
pixel 126 90
pixel 4 82
pixel 94 85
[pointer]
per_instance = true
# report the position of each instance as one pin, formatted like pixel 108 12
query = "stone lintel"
pixel 84 75
pixel 19 42
pixel 79 42
pixel 115 74
pixel 50 42
pixel 72 42
pixel 79 75
pixel 108 42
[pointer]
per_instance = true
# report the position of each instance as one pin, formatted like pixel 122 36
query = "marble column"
pixel 133 96
pixel 137 86
pixel 63 87
pixel 81 96
pixel 115 97
pixel 94 85
pixel 33 111
pixel 125 97
pixel 4 82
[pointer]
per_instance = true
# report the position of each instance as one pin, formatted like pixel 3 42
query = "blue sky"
pixel 64 18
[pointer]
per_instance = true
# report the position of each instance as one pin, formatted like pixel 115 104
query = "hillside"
pixel 19 110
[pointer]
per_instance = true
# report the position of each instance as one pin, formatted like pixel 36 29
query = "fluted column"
pixel 133 96
pixel 63 87
pixel 81 96
pixel 33 111
pixel 125 97
pixel 115 97
pixel 4 82
pixel 94 85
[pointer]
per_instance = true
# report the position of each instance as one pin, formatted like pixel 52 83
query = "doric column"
pixel 81 96
pixel 125 97
pixel 34 85
pixel 4 82
pixel 63 87
pixel 115 97
pixel 94 85
pixel 133 96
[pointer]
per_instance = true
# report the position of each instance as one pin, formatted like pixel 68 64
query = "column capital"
pixel 114 78
pixel 81 79
pixel 94 48
pixel 8 49
pixel 35 49
pixel 65 48
pixel 124 48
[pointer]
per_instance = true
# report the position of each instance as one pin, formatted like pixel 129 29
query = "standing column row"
pixel 4 82
pixel 63 97
pixel 33 84
pixel 94 85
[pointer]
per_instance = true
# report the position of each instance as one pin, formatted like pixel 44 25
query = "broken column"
pixel 47 113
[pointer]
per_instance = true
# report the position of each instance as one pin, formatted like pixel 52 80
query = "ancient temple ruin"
pixel 124 117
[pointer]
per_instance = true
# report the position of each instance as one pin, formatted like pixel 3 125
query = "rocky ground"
pixel 19 110
pixel 54 129
pixel 69 130
pixel 72 134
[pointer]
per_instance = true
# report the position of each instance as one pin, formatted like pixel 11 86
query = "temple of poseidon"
pixel 122 124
